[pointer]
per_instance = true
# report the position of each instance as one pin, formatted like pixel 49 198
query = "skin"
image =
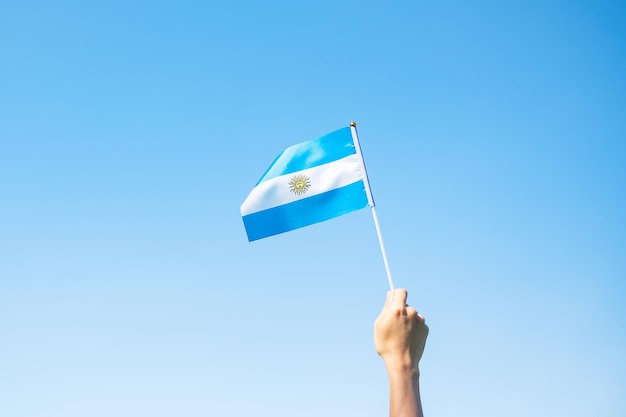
pixel 399 337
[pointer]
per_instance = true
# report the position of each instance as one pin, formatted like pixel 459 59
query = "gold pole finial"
pixel 353 124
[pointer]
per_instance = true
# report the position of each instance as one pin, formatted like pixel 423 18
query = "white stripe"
pixel 276 191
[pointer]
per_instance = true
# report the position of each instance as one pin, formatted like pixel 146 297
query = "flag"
pixel 308 183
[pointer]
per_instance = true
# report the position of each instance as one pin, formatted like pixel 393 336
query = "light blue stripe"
pixel 328 148
pixel 305 212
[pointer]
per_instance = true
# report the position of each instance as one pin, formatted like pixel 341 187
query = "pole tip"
pixel 353 124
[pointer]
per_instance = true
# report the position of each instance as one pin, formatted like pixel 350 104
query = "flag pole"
pixel 370 199
pixel 382 248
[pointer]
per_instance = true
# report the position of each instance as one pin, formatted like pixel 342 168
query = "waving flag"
pixel 308 183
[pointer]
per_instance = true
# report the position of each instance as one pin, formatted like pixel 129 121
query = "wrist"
pixel 401 366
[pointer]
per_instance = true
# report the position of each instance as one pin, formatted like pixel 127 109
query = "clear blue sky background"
pixel 130 133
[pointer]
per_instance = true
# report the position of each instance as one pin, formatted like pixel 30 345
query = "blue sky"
pixel 130 133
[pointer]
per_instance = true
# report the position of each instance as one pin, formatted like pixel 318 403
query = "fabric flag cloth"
pixel 308 183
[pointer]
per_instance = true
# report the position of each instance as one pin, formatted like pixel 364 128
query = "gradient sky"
pixel 130 133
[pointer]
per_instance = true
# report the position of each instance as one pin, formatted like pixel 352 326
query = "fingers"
pixel 398 298
pixel 396 301
pixel 414 316
pixel 417 317
pixel 421 318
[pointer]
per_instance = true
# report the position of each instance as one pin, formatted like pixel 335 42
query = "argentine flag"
pixel 308 183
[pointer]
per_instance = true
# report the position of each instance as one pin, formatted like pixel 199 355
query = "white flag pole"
pixel 382 248
pixel 370 199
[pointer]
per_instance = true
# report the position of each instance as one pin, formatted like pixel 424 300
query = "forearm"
pixel 404 392
pixel 399 336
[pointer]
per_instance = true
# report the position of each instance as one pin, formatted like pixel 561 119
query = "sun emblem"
pixel 299 184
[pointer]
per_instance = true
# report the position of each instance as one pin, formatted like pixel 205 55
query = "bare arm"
pixel 399 336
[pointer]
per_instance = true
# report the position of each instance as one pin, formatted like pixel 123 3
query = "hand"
pixel 400 332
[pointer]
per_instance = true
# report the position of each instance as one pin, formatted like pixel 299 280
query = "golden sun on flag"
pixel 299 184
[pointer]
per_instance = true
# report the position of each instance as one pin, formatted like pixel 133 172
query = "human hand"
pixel 400 332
